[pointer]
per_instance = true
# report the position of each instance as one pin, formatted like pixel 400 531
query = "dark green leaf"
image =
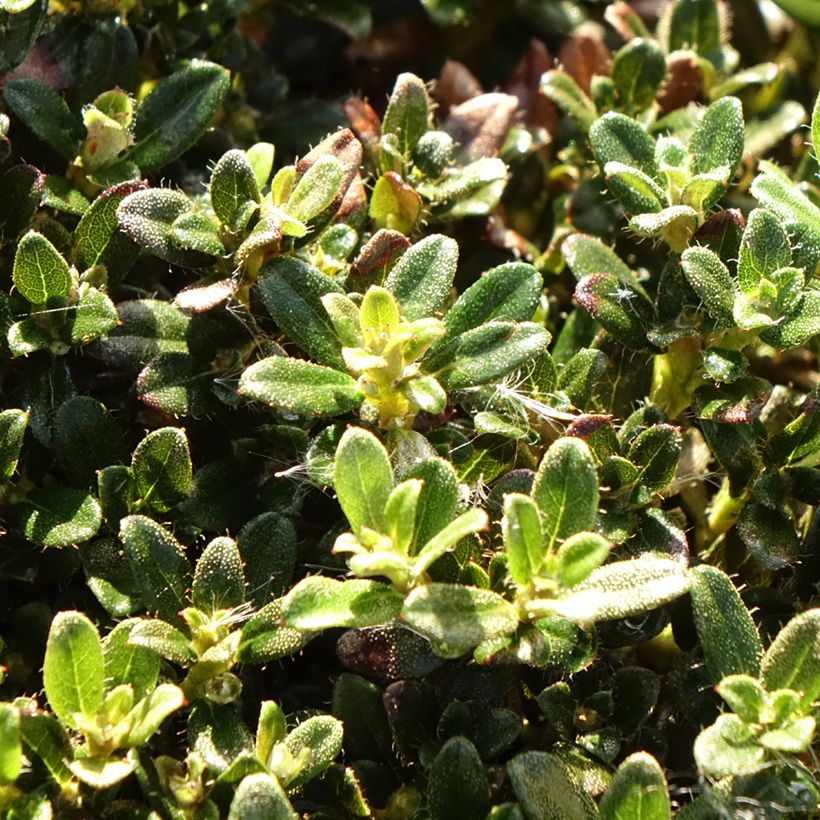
pixel 408 112
pixel 219 582
pixel 162 468
pixel 234 190
pixel 546 788
pixel 267 545
pixel 727 633
pixel 177 112
pixel 61 517
pixel 457 782
pixel 45 113
pixel 260 797
pixel 618 138
pixel 638 70
pixel 292 292
pixel 792 661
pixel 423 275
pixel 159 565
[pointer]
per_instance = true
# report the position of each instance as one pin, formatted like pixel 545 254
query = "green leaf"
pixel 148 715
pixel 126 663
pixel 587 256
pixel 457 782
pixel 320 603
pixel 176 383
pixel 195 232
pixel 456 618
pixel 13 425
pixel 59 193
pixel 45 113
pixel 321 736
pixel 636 191
pixel 579 555
pixel 769 535
pixel 218 735
pixel 638 70
pixel 797 328
pixel 799 216
pixel 108 573
pixel 162 468
pixel 101 772
pixel 267 545
pixel 727 748
pixel 423 276
pixel 523 541
pixel 638 791
pixel 394 204
pixel 763 249
pixel 363 479
pixel 73 672
pixel 656 452
pixel 40 272
pixel 546 788
pixel 472 521
pixel 558 86
pixel 695 25
pixel 438 498
pixel 618 138
pixel 60 517
pixel 509 292
pixel 162 640
pixel 316 189
pixel 260 797
pixel 292 292
pixel 486 354
pixel 727 633
pixel 300 388
pixel 147 216
pixel 23 187
pixel 793 659
pixel 265 639
pixel 18 31
pixel 270 729
pixel 717 141
pixel 94 316
pixel 260 157
pixel 676 225
pixel 744 695
pixel 737 403
pixel 711 280
pixel 219 581
pixel 622 589
pixel 379 315
pixel 400 513
pixel 408 113
pixel 235 189
pixel 177 112
pixel 566 491
pixel 620 308
pixel 159 564
pixel 11 750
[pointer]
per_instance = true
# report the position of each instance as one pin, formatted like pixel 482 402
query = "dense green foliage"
pixel 379 447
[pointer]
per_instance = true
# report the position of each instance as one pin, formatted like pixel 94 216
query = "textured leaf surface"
pixel 176 113
pixel 40 272
pixel 300 388
pixel 624 588
pixel 73 672
pixel 727 633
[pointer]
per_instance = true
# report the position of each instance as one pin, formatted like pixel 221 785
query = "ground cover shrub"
pixel 410 409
